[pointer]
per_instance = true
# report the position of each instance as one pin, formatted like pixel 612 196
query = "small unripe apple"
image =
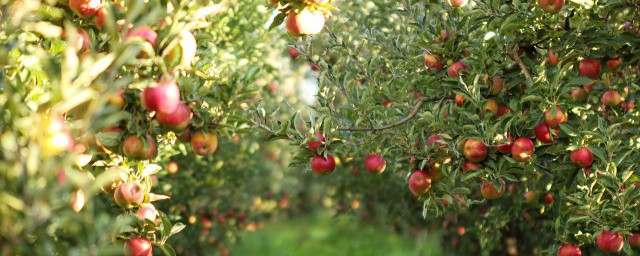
pixel 582 157
pixel 419 183
pixel 204 143
pixel 172 167
pixel 551 6
pixel 475 150
pixel 147 211
pixel 543 133
pixel 138 246
pixel 459 99
pixel 456 69
pixel 579 94
pixel 139 148
pixel 634 241
pixel 590 68
pixel 611 98
pixel 162 97
pixel 569 250
pixel 176 120
pixel 552 59
pixel 129 195
pixel 522 149
pixel 489 191
pixel 84 8
pixel 320 165
pixel 375 163
pixel 555 116
pixel 432 61
pixel 117 100
pixel 610 242
pixel 305 23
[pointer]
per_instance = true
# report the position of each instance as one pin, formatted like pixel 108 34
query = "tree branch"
pixel 411 115
pixel 527 75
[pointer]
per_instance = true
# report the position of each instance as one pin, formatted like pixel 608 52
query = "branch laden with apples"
pixel 468 100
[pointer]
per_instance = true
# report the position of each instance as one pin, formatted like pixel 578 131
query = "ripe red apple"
pixel 491 105
pixel 314 145
pixel 628 106
pixel 144 32
pixel 470 166
pixel 178 119
pixel 204 143
pixel 163 97
pixel 610 242
pixel 569 250
pixel 503 110
pixel 555 116
pixel 496 86
pixel 375 163
pixel 579 94
pixel 582 157
pixel 634 241
pixel 504 144
pixel 139 148
pixel 552 59
pixel 433 139
pixel 522 149
pixel 456 69
pixel 475 150
pixel 138 246
pixel 432 61
pixel 457 3
pixel 293 53
pixel 548 198
pixel 84 8
pixel 305 23
pixel 590 68
pixel 611 98
pixel 419 183
pixel 319 165
pixel 489 191
pixel 551 6
pixel 459 99
pixel 614 63
pixel 147 211
pixel 543 133
pixel 129 195
pixel 185 135
pixel 101 17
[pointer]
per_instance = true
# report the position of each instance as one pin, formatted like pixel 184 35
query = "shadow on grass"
pixel 322 235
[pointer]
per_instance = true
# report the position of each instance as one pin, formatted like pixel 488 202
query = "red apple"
pixel 555 116
pixel 492 106
pixel 185 135
pixel 178 119
pixel 470 166
pixel 433 139
pixel 634 241
pixel 548 198
pixel 320 165
pixel 503 110
pixel 139 148
pixel 129 195
pixel 145 33
pixel 590 68
pixel 614 63
pixel 489 191
pixel 204 143
pixel 375 163
pixel 85 8
pixel 305 23
pixel 582 157
pixel 101 17
pixel 579 94
pixel 569 250
pixel 456 69
pixel 628 106
pixel 293 53
pixel 475 150
pixel 522 149
pixel 457 3
pixel 610 242
pixel 543 133
pixel 503 147
pixel 552 59
pixel 611 98
pixel 531 197
pixel 314 145
pixel 172 167
pixel 138 246
pixel 163 97
pixel 496 86
pixel 459 99
pixel 432 61
pixel 551 6
pixel 147 211
pixel 419 183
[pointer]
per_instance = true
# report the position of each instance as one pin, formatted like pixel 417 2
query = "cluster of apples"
pixel 304 17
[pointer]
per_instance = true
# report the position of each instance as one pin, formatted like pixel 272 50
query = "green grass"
pixel 322 235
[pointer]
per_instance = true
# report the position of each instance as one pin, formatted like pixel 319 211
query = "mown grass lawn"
pixel 322 235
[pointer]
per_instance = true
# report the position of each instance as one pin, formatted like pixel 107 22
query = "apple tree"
pixel 512 123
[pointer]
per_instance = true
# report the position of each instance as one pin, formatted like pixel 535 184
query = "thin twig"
pixel 411 115
pixel 527 75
